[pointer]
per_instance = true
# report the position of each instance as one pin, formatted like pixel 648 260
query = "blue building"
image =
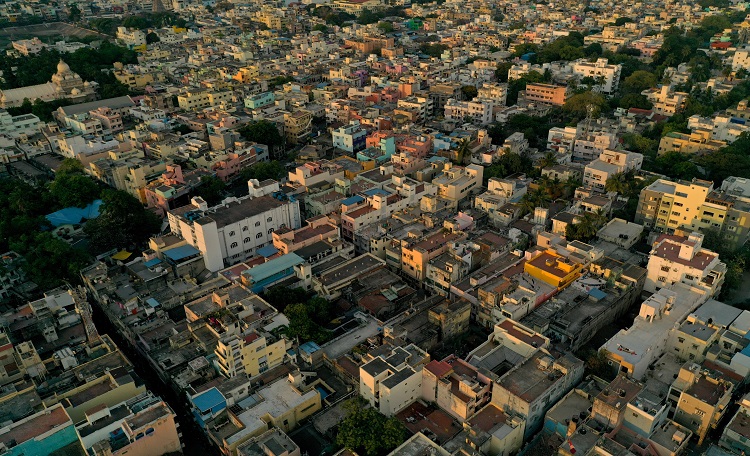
pixel 267 274
pixel 207 405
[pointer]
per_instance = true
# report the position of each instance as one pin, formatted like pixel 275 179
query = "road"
pixel 193 439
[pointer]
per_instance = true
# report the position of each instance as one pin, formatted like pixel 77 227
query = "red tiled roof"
pixel 439 368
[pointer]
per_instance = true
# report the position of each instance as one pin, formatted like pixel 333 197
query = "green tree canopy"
pixel 469 92
pixel 584 104
pixel 263 132
pixel 74 189
pixel 211 190
pixel 369 432
pixel 262 171
pixel 123 222
pixel 639 81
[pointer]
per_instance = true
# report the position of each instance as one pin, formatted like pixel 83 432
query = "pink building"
pixel 228 168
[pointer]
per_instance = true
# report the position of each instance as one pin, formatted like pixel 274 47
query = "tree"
pixel 122 222
pixel 152 38
pixel 635 100
pixel 263 132
pixel 367 431
pixel 469 92
pixel 49 261
pixel 549 159
pixel 211 190
pixel 586 227
pixel 585 104
pixel 280 296
pixel 70 166
pixel 639 81
pixel 74 13
pixel 306 320
pixel 501 73
pixel 597 363
pixel 74 190
pixel 319 28
pixel 263 171
pixel 386 27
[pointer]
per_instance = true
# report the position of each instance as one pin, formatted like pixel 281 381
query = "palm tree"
pixel 549 159
pixel 463 148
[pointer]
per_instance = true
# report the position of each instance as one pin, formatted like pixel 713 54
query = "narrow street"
pixel 194 442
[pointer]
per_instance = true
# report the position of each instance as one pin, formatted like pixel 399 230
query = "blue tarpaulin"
pixel 74 215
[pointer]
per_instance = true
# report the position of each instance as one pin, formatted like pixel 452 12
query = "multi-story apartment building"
pixel 704 397
pixel 493 93
pixel 412 256
pixel 532 387
pixel 477 110
pixel 547 94
pixel 194 100
pixel 562 139
pixel 233 231
pixel 666 206
pixel 665 101
pixel 315 173
pixel 607 76
pixel 609 163
pixel 740 59
pixel 723 127
pixel 392 381
pixel 421 106
pixel 131 37
pixel 350 138
pixel 456 183
pixel 698 141
pixel 297 126
pixel 250 354
pixel 683 259
pixel 456 386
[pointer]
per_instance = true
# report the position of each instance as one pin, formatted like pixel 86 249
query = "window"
pixel 269 219
pixel 231 233
pixel 257 223
pixel 246 240
pixel 662 279
pixel 665 268
pixel 244 228
pixel 234 244
pixel 270 230
pixel 258 236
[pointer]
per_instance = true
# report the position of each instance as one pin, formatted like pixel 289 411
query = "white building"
pixel 131 37
pixel 723 127
pixel 233 230
pixel 607 76
pixel 609 163
pixel 679 259
pixel 632 350
pixel 17 126
pixel 391 383
pixel 351 138
pixel 478 111
pixel 741 59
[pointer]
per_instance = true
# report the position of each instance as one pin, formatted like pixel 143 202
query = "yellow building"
pixel 247 74
pixel 704 397
pixel 251 354
pixel 195 100
pixel 415 255
pixel 699 141
pixel 134 80
pixel 553 269
pixel 297 126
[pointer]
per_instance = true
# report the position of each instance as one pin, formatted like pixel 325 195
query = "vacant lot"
pixel 51 30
